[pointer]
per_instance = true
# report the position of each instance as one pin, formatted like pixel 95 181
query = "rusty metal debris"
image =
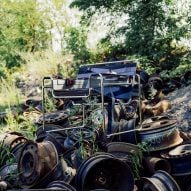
pixel 37 161
pixel 9 173
pixel 57 137
pixel 160 134
pixel 154 164
pixel 57 118
pixel 104 171
pixel 180 159
pixel 60 185
pixel 160 181
pixel 123 151
pixel 13 141
pixel 117 132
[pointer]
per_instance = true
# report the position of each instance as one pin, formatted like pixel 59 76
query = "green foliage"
pixel 22 29
pixel 179 70
pixel 149 31
pixel 10 95
pixel 76 44
pixel 6 157
pixel 49 103
pixel 16 122
pixel 3 70
pixel 137 158
pixel 47 63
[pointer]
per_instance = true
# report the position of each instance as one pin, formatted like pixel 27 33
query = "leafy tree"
pixel 149 30
pixel 21 29
pixel 76 44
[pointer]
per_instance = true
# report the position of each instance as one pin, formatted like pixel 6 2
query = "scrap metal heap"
pixel 104 136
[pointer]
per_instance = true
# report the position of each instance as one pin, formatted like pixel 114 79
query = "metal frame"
pixel 103 84
pixel 43 104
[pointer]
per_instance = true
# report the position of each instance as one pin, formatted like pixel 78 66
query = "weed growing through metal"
pixel 75 110
pixel 49 103
pixel 6 157
pixel 137 158
pixel 88 148
pixel 28 128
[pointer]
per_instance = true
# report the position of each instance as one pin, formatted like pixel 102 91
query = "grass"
pixel 37 65
pixel 11 99
pixel 46 63
pixel 10 96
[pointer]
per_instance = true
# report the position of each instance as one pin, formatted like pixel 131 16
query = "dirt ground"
pixel 181 107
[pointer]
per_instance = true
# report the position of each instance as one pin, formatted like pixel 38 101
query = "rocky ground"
pixel 181 107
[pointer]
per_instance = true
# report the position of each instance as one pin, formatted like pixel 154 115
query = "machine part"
pixel 58 118
pixel 16 151
pixel 128 110
pixel 160 181
pixel 12 143
pixel 180 159
pixel 189 188
pixel 58 141
pixel 56 174
pixel 152 164
pixel 184 182
pixel 60 185
pixel 121 130
pixel 155 118
pixel 67 155
pixel 12 139
pixel 56 137
pixel 83 152
pixel 9 173
pixel 99 190
pixel 104 172
pixel 85 134
pixel 180 151
pixel 153 87
pixel 60 104
pixel 156 81
pixel 144 76
pixel 38 108
pixel 37 161
pixel 69 172
pixel 186 136
pixel 32 102
pixel 157 125
pixel 160 135
pixel 123 151
pixel 76 136
pixel 3 185
pixel 121 67
pixel 32 115
pixel 157 109
pixel 41 131
pixel 97 117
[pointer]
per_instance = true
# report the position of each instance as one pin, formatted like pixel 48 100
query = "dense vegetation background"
pixel 157 32
pixel 43 37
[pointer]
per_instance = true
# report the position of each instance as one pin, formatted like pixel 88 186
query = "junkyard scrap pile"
pixel 110 132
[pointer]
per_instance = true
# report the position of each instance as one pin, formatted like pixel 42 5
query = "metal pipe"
pixel 64 129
